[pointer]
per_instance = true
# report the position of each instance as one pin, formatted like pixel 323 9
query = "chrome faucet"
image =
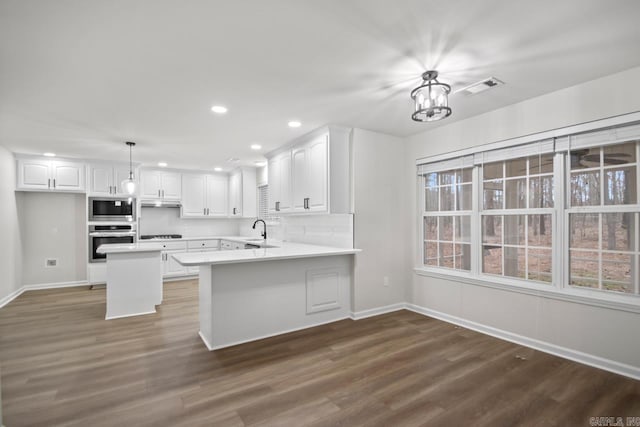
pixel 264 233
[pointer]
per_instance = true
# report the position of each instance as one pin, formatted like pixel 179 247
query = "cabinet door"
pixel 285 183
pixel 150 184
pixel 171 185
pixel 298 178
pixel 193 195
pixel 101 179
pixel 34 174
pixel 235 194
pixel 68 176
pixel 173 267
pixel 216 195
pixel 120 173
pixel 274 184
pixel 317 168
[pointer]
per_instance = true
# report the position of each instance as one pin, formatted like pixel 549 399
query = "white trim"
pixel 261 337
pixel 55 285
pixel 358 315
pixel 622 119
pixel 130 315
pixel 578 296
pixel 556 350
pixel 204 340
pixel 13 295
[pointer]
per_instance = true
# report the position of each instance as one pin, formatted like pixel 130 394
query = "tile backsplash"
pixel 327 230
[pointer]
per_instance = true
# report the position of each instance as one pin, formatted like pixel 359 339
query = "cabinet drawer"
pixel 203 244
pixel 172 246
pixel 227 245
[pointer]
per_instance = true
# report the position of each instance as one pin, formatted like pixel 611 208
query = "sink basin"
pixel 254 240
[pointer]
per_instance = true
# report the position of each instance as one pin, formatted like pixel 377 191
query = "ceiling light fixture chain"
pixel 431 99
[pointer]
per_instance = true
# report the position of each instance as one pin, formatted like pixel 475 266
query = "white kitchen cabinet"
pixel 204 196
pixel 216 195
pixel 160 185
pixel 201 246
pixel 171 267
pixel 242 193
pixel 309 176
pixel 50 175
pixel 280 184
pixel 312 174
pixel 106 179
pixel 235 193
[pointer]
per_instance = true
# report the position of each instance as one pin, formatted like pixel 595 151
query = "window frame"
pixel 559 287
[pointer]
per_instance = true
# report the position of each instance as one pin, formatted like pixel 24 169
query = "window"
pixel 263 204
pixel 447 219
pixel 517 215
pixel 603 218
pixel 560 214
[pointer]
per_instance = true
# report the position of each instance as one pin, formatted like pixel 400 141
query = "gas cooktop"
pixel 160 236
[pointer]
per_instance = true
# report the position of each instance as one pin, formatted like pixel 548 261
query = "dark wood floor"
pixel 63 364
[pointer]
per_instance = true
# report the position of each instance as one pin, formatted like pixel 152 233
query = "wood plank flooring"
pixel 62 364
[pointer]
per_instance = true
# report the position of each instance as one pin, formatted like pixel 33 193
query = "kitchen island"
pixel 246 295
pixel 134 279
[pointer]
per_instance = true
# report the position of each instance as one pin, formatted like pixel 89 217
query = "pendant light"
pixel 431 99
pixel 129 185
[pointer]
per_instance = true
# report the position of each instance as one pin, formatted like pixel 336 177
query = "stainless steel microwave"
pixel 112 209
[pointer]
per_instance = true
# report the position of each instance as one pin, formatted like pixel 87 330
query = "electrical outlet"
pixel 51 262
pixel 385 281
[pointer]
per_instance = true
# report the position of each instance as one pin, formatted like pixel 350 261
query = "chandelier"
pixel 431 99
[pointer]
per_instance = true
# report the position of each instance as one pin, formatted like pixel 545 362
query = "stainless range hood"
pixel 160 203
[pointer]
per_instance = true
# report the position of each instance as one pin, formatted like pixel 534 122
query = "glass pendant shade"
pixel 129 185
pixel 431 99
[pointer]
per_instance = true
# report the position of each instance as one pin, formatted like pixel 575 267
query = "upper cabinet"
pixel 313 174
pixel 204 195
pixel 242 193
pixel 279 181
pixel 160 185
pixel 41 174
pixel 106 179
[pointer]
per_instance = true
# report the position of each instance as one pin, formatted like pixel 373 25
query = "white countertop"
pixel 118 248
pixel 286 250
pixel 240 239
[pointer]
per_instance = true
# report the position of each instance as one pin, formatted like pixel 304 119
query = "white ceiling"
pixel 81 77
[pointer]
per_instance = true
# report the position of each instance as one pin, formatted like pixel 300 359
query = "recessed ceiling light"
pixel 294 124
pixel 233 160
pixel 49 154
pixel 260 163
pixel 219 109
pixel 162 164
pixel 217 169
pixel 256 146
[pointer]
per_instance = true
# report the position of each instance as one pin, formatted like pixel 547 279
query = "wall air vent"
pixel 480 86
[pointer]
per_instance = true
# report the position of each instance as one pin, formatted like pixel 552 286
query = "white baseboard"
pixel 129 315
pixel 55 285
pixel 13 295
pixel 556 350
pixel 286 331
pixel 357 315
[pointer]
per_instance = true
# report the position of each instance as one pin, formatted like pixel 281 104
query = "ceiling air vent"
pixel 480 86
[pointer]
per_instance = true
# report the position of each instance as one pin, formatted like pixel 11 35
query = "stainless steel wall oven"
pixel 110 233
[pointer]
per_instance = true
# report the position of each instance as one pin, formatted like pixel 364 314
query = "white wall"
pixel 379 194
pixel 10 249
pixel 53 225
pixel 597 331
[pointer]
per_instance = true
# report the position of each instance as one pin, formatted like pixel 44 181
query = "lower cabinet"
pixel 171 267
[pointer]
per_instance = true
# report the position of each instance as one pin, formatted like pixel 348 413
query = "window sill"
pixel 578 296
